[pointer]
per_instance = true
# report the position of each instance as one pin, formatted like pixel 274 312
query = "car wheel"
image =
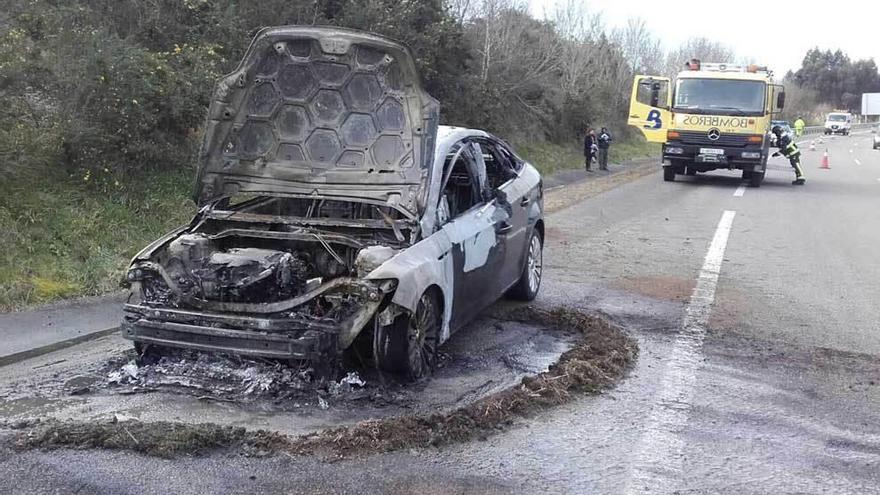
pixel 755 179
pixel 529 283
pixel 408 346
pixel 668 174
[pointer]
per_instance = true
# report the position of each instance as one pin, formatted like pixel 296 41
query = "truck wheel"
pixel 668 174
pixel 526 288
pixel 408 346
pixel 755 179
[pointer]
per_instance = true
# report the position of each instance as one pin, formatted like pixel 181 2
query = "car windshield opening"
pixel 720 96
pixel 837 118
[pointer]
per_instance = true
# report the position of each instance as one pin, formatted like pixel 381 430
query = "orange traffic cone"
pixel 825 160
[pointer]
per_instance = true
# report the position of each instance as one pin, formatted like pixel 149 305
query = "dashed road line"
pixel 740 191
pixel 657 463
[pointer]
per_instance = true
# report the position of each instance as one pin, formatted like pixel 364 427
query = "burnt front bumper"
pixel 280 338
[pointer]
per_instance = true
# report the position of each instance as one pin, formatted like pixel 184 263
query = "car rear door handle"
pixel 503 227
pixel 525 201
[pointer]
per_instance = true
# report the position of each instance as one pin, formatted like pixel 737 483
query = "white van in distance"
pixel 838 123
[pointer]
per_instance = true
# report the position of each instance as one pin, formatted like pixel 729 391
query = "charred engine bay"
pixel 270 249
pixel 271 264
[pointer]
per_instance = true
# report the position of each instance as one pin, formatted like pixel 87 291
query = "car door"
pixel 476 251
pixel 512 197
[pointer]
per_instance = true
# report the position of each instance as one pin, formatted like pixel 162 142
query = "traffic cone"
pixel 825 160
pixel 813 145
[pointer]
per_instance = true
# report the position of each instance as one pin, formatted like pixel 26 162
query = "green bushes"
pixel 86 100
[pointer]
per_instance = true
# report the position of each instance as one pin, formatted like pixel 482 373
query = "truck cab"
pixel 711 116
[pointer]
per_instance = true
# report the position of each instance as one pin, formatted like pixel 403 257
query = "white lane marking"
pixel 740 191
pixel 657 462
pixel 857 161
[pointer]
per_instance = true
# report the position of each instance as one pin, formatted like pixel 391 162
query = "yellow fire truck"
pixel 712 116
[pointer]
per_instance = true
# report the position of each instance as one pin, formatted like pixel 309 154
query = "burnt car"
pixel 335 210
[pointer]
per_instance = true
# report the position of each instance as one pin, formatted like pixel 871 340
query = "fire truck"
pixel 711 116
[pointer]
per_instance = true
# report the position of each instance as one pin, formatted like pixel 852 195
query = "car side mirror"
pixel 780 100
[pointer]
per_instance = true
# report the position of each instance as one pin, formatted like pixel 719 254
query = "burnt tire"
pixel 529 283
pixel 668 174
pixel 408 346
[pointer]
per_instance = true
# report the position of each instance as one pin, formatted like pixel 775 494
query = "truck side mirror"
pixel 780 100
pixel 656 88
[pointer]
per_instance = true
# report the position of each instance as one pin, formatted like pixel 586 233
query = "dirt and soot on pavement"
pixel 591 354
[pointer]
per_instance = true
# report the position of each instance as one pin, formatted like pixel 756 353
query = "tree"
pixel 837 80
pixel 699 48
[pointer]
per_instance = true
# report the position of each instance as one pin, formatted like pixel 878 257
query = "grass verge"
pixel 550 157
pixel 595 363
pixel 66 237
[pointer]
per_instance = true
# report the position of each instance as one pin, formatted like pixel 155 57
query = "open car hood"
pixel 320 111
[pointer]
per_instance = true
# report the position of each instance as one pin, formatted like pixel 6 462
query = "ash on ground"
pixel 231 378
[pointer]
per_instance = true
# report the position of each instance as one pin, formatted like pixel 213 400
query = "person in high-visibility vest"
pixel 788 149
pixel 799 125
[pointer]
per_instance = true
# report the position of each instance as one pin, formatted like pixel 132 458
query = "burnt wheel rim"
pixel 535 264
pixel 422 334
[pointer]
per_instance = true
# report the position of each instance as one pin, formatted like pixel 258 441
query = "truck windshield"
pixel 837 118
pixel 720 96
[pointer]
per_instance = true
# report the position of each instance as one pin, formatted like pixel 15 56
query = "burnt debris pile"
pixel 596 362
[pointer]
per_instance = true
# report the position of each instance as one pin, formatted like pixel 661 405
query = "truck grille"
pixel 700 138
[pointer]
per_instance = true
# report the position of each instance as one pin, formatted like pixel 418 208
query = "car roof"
pixel 448 135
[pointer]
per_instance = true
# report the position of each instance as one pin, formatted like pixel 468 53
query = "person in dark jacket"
pixel 589 148
pixel 788 149
pixel 604 142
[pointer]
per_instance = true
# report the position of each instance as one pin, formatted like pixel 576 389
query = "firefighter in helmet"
pixel 788 149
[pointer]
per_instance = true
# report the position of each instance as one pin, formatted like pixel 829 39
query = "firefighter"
pixel 799 125
pixel 788 149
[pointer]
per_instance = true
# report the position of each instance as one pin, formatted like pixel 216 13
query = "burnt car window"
pixel 499 167
pixel 461 186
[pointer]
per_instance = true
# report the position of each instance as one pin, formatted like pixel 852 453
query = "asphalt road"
pixel 757 315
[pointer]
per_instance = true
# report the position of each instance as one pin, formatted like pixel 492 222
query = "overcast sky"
pixel 775 33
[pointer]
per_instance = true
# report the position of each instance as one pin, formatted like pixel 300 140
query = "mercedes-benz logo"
pixel 713 134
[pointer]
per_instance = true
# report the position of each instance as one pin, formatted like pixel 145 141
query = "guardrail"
pixel 820 129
